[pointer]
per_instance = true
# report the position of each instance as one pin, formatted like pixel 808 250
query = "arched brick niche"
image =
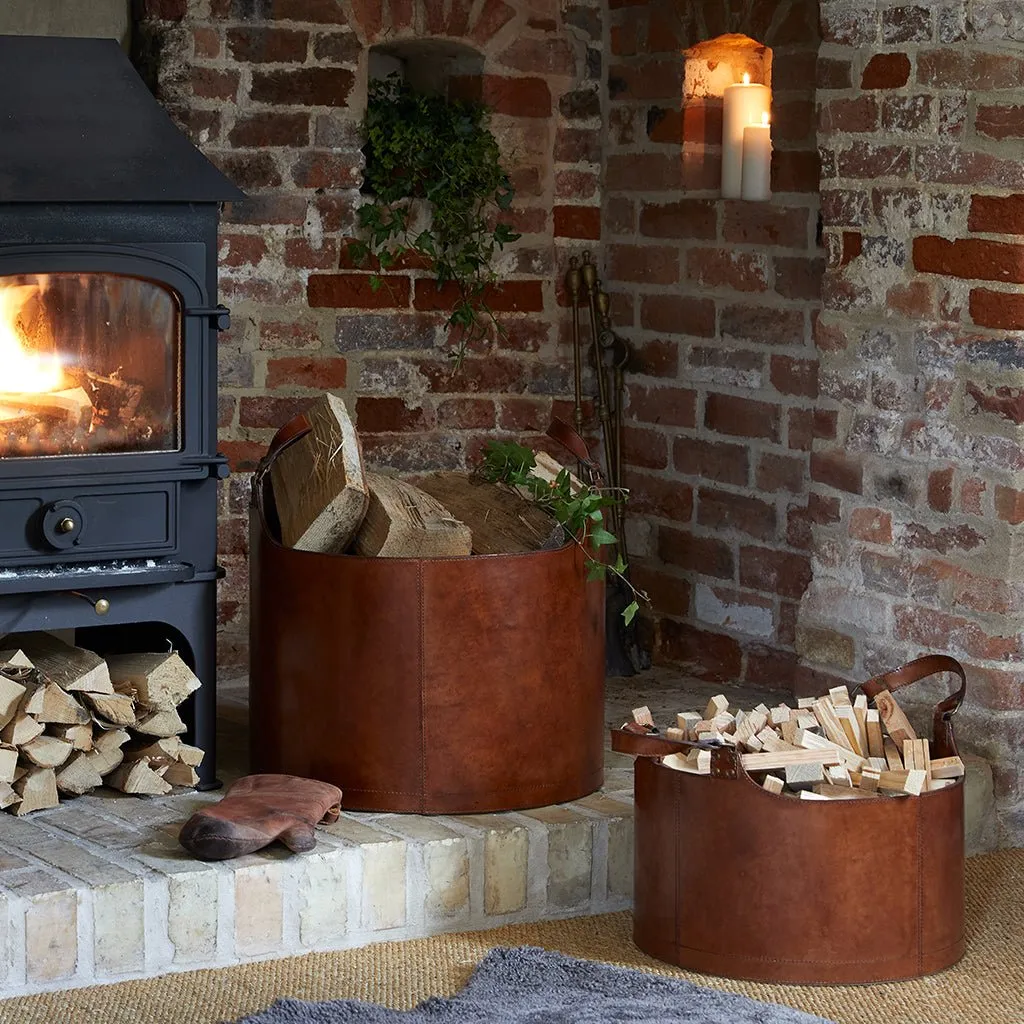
pixel 719 298
pixel 273 91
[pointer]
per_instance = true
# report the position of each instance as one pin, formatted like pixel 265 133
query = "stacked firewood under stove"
pixel 327 502
pixel 71 721
pixel 826 748
pixel 95 412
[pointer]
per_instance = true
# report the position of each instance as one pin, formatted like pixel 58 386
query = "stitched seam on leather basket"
pixel 423 711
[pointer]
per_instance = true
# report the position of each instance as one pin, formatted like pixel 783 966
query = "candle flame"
pixel 746 78
pixel 765 119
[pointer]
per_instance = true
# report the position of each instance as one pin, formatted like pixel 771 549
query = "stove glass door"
pixel 89 363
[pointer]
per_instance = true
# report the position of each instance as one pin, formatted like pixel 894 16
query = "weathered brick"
pixel 886 71
pixel 708 655
pixel 839 470
pixel 323 373
pixel 971 258
pixel 774 572
pixel 214 84
pixel 727 268
pixel 643 172
pixel 337 48
pixel 507 297
pixel 781 473
pixel 1004 310
pixel 643 447
pixel 577 222
pixel 915 536
pixel 799 277
pixel 792 376
pixel 858 114
pixel 326 12
pixel 707 555
pixel 1003 400
pixel 270 130
pixel 466 414
pixel 656 495
pixel 643 264
pixel 685 218
pixel 1009 504
pixel 355 291
pixel 873 525
pixel 940 489
pixel 517 97
pixel 267 45
pixel 764 325
pixel 1001 215
pixel 678 314
pixel 390 415
pixel 907 24
pixel 667 406
pixel 711 460
pixel 269 411
pixel 303 87
pixel 727 510
pixel 742 417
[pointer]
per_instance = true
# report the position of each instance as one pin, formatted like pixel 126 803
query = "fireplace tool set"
pixel 608 355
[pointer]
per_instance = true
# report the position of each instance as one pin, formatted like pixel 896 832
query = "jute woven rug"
pixel 986 987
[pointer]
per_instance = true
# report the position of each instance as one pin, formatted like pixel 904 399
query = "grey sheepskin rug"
pixel 534 986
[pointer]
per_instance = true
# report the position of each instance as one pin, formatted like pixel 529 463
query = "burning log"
pixel 72 405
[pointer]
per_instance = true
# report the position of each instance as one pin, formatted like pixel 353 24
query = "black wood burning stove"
pixel 108 368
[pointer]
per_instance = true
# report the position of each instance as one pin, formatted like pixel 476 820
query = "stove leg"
pixel 201 612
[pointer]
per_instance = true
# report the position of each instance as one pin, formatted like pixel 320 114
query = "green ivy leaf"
pixel 600 538
pixel 629 612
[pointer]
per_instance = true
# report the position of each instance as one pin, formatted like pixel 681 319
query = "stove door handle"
pixel 219 316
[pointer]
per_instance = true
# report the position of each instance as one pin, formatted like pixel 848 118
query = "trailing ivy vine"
pixel 424 147
pixel 579 510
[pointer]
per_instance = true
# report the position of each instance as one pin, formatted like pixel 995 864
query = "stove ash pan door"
pixel 107 404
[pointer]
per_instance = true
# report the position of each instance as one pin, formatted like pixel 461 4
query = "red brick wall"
pixel 921 490
pixel 273 91
pixel 719 298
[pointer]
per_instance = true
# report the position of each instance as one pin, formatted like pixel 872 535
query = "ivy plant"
pixel 423 147
pixel 578 509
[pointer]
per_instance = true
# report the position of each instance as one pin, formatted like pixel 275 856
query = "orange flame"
pixel 21 369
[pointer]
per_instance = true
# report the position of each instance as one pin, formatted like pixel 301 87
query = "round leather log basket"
pixel 431 686
pixel 736 881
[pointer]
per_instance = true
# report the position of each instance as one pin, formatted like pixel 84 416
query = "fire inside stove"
pixel 88 364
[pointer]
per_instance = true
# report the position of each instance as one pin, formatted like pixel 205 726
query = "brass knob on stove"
pixel 102 606
pixel 66 525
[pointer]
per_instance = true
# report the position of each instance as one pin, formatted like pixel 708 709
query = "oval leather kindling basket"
pixel 735 881
pixel 431 686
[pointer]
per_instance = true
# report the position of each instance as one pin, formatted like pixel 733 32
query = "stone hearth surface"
pixel 98 890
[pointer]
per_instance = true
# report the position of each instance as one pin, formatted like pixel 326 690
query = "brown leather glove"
pixel 258 809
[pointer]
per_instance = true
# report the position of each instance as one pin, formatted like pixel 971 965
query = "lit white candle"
pixel 757 161
pixel 742 104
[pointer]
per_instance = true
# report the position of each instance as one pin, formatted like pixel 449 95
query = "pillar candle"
pixel 757 161
pixel 742 104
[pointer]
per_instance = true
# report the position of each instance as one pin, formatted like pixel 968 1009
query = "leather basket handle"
pixel 297 427
pixel 921 668
pixel 571 441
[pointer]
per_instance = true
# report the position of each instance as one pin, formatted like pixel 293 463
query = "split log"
pixel 50 704
pixel 79 775
pixel 14 659
pixel 876 741
pixel 160 682
pixel 22 729
pixel 115 708
pixel 161 724
pixel 319 486
pixel 11 694
pixel 404 522
pixel 8 797
pixel 138 778
pixel 106 753
pixel 500 520
pixel 9 763
pixel 71 668
pixel 37 789
pixel 170 748
pixel 47 751
pixel 79 736
pixel 773 784
pixel 803 776
pixel 947 768
pixel 786 758
pixel 719 704
pixel 179 774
